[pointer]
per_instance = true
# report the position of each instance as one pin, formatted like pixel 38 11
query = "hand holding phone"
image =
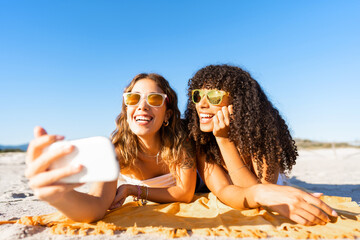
pixel 96 154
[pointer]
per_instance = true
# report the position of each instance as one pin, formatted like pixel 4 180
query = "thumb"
pixel 39 131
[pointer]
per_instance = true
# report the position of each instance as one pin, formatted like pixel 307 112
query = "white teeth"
pixel 203 115
pixel 143 118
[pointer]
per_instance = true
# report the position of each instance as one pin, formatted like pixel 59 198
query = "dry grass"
pixel 308 144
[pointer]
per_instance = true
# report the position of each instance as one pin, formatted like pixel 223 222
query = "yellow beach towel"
pixel 206 215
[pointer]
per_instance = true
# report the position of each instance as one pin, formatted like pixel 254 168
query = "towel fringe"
pixel 206 215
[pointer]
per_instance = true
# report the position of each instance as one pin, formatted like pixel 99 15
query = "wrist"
pixel 132 190
pixel 139 193
pixel 254 195
pixel 222 140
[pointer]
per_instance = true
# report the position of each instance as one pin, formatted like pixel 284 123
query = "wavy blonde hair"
pixel 175 146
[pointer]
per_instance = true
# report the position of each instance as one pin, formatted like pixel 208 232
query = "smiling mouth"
pixel 143 119
pixel 205 118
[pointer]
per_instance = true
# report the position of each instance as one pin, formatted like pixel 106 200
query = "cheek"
pixel 160 114
pixel 129 113
pixel 197 109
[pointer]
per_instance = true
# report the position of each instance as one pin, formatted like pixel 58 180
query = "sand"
pixel 330 171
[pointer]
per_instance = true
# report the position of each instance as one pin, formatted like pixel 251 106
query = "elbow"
pixel 94 218
pixel 88 218
pixel 186 197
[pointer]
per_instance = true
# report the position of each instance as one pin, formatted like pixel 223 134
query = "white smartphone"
pixel 96 154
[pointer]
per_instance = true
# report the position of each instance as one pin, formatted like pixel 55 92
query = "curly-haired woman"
pixel 152 148
pixel 242 141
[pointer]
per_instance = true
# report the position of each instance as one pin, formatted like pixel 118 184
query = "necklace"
pixel 152 156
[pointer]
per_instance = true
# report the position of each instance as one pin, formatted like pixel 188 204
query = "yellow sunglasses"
pixel 153 99
pixel 213 96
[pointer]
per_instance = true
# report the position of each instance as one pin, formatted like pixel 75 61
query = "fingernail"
pixel 58 137
pixel 76 167
pixel 334 213
pixel 67 147
pixel 317 194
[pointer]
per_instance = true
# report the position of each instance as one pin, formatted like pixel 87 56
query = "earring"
pixel 166 123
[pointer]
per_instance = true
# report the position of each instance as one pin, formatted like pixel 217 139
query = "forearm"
pixel 80 207
pixel 163 195
pixel 87 207
pixel 171 194
pixel 183 191
pixel 238 170
pixel 239 197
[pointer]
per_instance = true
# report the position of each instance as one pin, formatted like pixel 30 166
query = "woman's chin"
pixel 206 127
pixel 142 131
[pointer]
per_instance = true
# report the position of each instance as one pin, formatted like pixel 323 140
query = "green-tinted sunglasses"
pixel 213 96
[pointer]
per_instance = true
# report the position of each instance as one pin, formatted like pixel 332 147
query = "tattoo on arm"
pixel 188 160
pixel 188 163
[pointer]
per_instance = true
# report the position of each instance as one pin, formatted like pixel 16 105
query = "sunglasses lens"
pixel 196 96
pixel 215 97
pixel 155 99
pixel 132 99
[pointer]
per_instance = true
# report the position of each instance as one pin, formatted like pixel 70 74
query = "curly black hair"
pixel 256 127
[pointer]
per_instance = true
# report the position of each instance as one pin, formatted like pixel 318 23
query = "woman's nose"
pixel 204 102
pixel 143 104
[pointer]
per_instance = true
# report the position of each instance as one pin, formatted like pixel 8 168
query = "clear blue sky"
pixel 64 64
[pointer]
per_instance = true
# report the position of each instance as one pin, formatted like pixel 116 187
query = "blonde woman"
pixel 150 143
